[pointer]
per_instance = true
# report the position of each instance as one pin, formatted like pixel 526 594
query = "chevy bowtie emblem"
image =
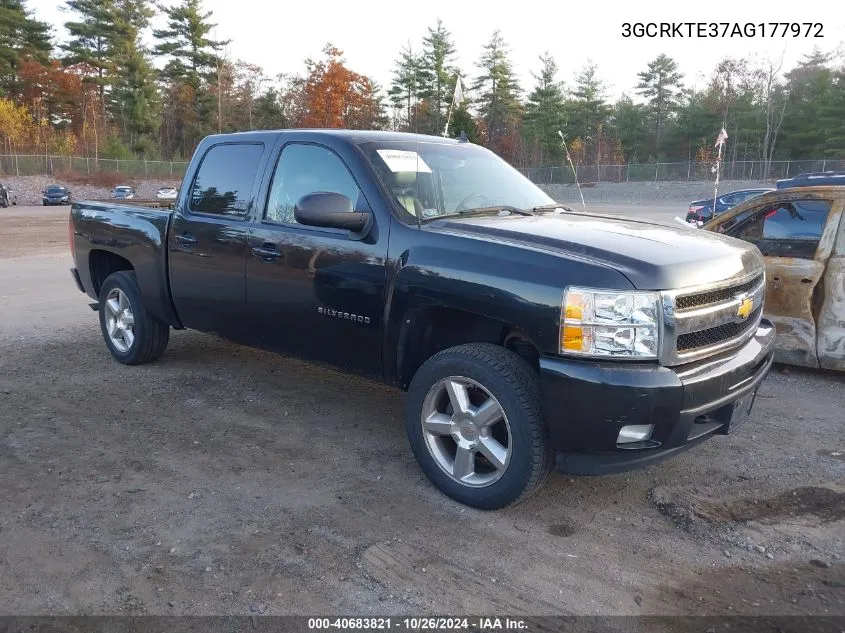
pixel 745 308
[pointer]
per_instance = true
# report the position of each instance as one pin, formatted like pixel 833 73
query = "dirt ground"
pixel 224 480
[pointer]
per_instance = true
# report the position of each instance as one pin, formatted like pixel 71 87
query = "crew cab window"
pixel 224 180
pixel 786 229
pixel 304 169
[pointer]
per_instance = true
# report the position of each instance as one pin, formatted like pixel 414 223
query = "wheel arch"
pixel 427 330
pixel 102 263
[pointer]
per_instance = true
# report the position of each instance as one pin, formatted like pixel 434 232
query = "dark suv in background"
pixel 813 179
pixel 55 194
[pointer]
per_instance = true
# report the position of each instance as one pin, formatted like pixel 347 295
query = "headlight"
pixel 609 323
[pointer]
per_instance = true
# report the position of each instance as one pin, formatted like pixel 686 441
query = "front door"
pixel 312 292
pixel 831 335
pixel 789 235
pixel 208 241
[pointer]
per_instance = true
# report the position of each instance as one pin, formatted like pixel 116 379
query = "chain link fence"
pixel 34 165
pixel 749 170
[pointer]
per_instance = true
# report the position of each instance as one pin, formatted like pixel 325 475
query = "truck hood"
pixel 652 255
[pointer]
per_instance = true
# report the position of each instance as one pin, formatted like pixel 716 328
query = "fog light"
pixel 634 433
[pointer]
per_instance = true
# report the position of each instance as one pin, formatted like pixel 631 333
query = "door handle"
pixel 186 239
pixel 267 252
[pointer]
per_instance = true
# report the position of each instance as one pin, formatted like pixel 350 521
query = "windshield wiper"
pixel 498 207
pixel 550 207
pixel 480 210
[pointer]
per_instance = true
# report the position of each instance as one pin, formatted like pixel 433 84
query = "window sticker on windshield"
pixel 402 160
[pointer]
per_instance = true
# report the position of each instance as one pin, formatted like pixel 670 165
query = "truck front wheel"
pixel 475 424
pixel 133 335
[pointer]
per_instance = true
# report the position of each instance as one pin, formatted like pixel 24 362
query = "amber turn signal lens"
pixel 573 338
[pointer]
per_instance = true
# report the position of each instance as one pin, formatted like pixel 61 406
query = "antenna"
pixel 574 172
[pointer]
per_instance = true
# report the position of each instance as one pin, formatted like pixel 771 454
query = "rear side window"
pixel 786 229
pixel 224 179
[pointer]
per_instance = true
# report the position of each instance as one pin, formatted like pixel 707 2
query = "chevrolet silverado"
pixel 528 336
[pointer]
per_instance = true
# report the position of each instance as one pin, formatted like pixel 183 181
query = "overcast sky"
pixel 279 36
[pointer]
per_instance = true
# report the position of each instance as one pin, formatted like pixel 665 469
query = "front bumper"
pixel 587 403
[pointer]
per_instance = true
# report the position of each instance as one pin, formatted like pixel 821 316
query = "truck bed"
pixel 131 232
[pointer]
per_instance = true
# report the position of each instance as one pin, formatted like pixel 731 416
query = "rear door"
pixel 789 234
pixel 208 240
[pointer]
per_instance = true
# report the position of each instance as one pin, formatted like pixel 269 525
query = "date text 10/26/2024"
pixel 460 623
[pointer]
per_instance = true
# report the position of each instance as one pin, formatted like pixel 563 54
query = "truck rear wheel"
pixel 475 424
pixel 132 334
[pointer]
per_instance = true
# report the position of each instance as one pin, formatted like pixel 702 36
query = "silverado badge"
pixel 745 308
pixel 339 314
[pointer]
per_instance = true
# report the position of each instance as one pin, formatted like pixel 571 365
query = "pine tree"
pixel 437 76
pixel 91 38
pixel 545 110
pixel 832 116
pixel 499 92
pixel 589 113
pixel 191 70
pixel 193 54
pixel 660 84
pixel 405 87
pixel 133 100
pixel 629 126
pixel 808 85
pixel 21 36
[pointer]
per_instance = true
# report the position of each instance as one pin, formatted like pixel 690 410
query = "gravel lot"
pixel 224 480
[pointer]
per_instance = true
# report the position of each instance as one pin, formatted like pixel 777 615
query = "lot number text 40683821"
pixel 460 623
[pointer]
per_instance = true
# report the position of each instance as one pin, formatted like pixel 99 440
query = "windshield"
pixel 122 189
pixel 55 190
pixel 431 179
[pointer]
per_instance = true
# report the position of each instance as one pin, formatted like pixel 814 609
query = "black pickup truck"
pixel 528 336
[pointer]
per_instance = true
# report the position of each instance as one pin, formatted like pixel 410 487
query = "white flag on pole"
pixel 723 136
pixel 459 92
pixel 457 100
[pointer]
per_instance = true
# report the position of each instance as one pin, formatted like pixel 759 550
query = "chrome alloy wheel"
pixel 120 322
pixel 466 431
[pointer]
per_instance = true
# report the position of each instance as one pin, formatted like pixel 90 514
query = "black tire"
pixel 515 385
pixel 151 335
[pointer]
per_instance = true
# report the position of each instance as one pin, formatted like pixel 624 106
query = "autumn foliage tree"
pixel 337 97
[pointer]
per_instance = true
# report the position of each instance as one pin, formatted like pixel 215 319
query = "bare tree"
pixel 773 100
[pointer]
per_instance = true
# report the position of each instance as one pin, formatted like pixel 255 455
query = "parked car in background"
pixel 812 179
pixel 167 193
pixel 123 192
pixel 702 210
pixel 55 194
pixel 801 234
pixel 7 198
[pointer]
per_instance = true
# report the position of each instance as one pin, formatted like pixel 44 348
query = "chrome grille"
pixel 715 296
pixel 702 321
pixel 715 335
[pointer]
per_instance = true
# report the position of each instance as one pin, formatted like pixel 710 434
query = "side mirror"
pixel 332 210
